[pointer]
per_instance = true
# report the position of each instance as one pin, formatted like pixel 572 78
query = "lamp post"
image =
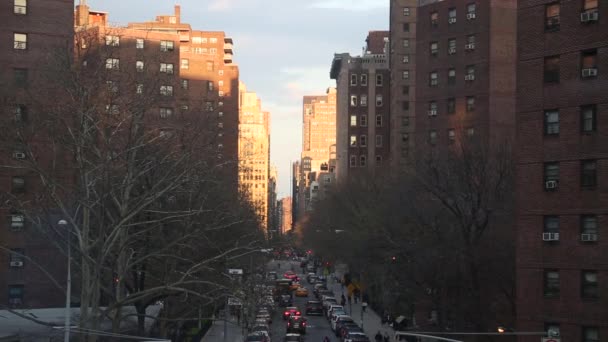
pixel 66 336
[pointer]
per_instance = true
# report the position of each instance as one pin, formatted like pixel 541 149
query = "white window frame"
pixel 166 90
pixel 112 64
pixel 139 66
pixel 167 45
pixel 184 64
pixel 112 40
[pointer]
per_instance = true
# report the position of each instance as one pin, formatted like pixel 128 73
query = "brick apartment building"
pixel 561 169
pixel 363 108
pixel 31 33
pixel 465 72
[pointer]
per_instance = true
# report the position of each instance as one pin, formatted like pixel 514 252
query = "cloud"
pixel 352 5
pixel 221 5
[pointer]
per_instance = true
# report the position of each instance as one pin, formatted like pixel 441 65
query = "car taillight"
pixel 298 313
pixel 303 323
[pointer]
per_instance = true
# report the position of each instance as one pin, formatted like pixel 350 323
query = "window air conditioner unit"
pixel 589 72
pixel 589 16
pixel 433 112
pixel 451 20
pixel 452 50
pixel 470 46
pixel 19 155
pixel 588 237
pixel 550 236
pixel 469 77
pixel 551 184
pixel 16 263
pixel 470 16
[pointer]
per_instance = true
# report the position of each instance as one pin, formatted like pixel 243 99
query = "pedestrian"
pixel 378 337
pixel 350 299
pixel 326 339
pixel 386 337
pixel 363 306
pixel 343 300
pixel 279 265
pixel 357 296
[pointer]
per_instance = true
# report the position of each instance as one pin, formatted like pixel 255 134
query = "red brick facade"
pixel 556 136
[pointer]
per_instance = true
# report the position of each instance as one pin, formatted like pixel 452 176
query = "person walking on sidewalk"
pixel 378 337
pixel 386 337
pixel 326 339
pixel 343 300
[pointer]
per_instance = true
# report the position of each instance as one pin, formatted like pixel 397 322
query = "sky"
pixel 284 50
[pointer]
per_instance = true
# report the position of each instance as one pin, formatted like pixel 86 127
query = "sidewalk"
pixel 370 322
pixel 216 332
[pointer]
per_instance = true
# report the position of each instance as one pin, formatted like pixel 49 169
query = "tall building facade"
pixel 32 33
pixel 318 137
pixel 285 217
pixel 402 64
pixel 254 152
pixel 561 169
pixel 464 73
pixel 363 108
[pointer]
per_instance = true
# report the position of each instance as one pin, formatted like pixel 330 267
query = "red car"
pixel 290 275
pixel 291 311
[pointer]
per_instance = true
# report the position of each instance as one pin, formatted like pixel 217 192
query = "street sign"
pixel 551 339
pixel 236 271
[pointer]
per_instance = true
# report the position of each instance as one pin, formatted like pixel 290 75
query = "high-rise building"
pixel 254 150
pixel 561 169
pixel 273 224
pixel 285 218
pixel 363 108
pixel 318 137
pixel 464 73
pixel 34 35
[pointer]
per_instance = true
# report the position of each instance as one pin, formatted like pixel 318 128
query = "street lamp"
pixel 66 335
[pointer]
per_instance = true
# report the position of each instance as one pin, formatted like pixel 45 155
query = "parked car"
pixel 322 293
pixel 348 329
pixel 335 318
pixel 356 337
pixel 296 324
pixel 337 324
pixel 331 307
pixel 314 307
pixel 261 329
pixel 293 338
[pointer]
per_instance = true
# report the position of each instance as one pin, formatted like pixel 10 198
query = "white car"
pixel 335 319
pixel 331 307
pixel 356 336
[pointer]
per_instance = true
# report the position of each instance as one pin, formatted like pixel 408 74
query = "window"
pixel 210 85
pixel 112 63
pixel 20 7
pixel 139 43
pixel 17 221
pixel 551 69
pixel 353 100
pixel 379 80
pixel 166 45
pixel 589 63
pixel 185 84
pixel 433 79
pixel 165 112
pixel 406 11
pixel 166 90
pixel 406 43
pixel 112 86
pixel 451 16
pixel 363 100
pixel 589 226
pixel 552 122
pixel 20 112
pixel 378 140
pixel 15 294
pixel 434 48
pixel 20 41
pixel 353 161
pixel 405 105
pixel 588 173
pixel 112 109
pixel 20 77
pixel 433 137
pixel 470 73
pixel 185 64
pixel 433 108
pixel 353 79
pixel 552 16
pixel 353 121
pixel 139 66
pixel 166 68
pixel 213 40
pixel 470 132
pixel 589 286
pixel 588 118
pixel 363 160
pixel 220 83
pixel 551 283
pixel 451 105
pixel 353 141
pixel 405 90
pixel 551 225
pixel 379 101
pixel 405 59
pixel 378 160
pixel 451 76
pixel 470 43
pixel 471 11
pixel 434 19
pixel 139 88
pixel 451 135
pixel 112 40
pixel 363 140
pixel 211 67
pixel 405 74
pixel 552 329
pixel 363 79
pixel 591 334
pixel 209 106
pixel 451 46
pixel 470 103
pixel 18 184
pixel 379 121
pixel 551 175
pixel 363 120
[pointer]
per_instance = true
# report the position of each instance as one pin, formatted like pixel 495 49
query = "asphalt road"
pixel 318 326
